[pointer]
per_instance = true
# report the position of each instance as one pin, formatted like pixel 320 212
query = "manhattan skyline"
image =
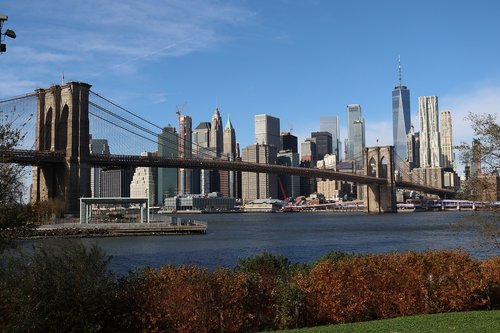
pixel 296 61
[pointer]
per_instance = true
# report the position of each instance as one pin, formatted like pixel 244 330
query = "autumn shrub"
pixel 491 271
pixel 55 289
pixel 189 299
pixel 382 286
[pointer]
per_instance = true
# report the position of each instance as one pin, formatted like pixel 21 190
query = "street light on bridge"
pixel 9 33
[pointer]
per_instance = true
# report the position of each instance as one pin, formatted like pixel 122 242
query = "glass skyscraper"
pixel 331 124
pixel 355 134
pixel 401 120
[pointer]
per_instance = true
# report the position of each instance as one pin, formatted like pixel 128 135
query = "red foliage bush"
pixel 382 286
pixel 491 271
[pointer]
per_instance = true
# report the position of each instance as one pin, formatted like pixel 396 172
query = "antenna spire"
pixel 399 70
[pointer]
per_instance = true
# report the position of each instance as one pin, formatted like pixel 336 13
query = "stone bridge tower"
pixel 379 162
pixel 62 125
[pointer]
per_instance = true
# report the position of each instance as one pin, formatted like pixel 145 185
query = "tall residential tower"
pixel 430 147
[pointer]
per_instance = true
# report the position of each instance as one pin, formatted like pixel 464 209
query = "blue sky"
pixel 296 60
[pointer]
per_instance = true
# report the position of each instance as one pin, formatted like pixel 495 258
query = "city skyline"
pixel 152 57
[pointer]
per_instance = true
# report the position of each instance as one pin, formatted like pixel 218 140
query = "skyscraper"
pixel 267 130
pixel 201 144
pixel 323 144
pixel 355 134
pixel 167 177
pixel 185 176
pixel 143 184
pixel 447 156
pixel 228 179
pixel 401 120
pixel 216 132
pixel 288 142
pixel 331 124
pixel 430 147
pixel 259 185
pixel 97 146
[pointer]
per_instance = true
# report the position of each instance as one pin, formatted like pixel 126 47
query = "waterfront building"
pixel 355 134
pixel 401 120
pixel 430 147
pixel 447 155
pixel 259 185
pixel 143 184
pixel 288 142
pixel 184 146
pixel 267 130
pixel 331 189
pixel 331 124
pixel 288 183
pixel 323 144
pixel 167 177
pixel 210 203
pixel 97 147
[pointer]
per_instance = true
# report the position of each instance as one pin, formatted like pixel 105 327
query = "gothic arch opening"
pixel 46 130
pixel 372 167
pixel 383 167
pixel 62 129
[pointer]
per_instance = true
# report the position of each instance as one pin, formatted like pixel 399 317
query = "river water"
pixel 302 237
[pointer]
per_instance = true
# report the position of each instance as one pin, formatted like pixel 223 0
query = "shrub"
pixel 61 289
pixel 491 271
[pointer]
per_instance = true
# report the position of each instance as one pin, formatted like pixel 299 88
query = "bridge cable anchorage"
pixel 189 140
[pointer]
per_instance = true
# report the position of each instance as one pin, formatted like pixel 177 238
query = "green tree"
pixel 483 185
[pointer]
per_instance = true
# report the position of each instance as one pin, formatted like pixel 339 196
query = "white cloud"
pixel 480 100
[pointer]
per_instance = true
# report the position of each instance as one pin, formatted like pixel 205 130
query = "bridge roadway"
pixel 32 157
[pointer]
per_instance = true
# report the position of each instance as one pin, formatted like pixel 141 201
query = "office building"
pixel 167 177
pixel 143 184
pixel 288 184
pixel 308 151
pixel 413 149
pixel 115 183
pixel 401 120
pixel 447 156
pixel 430 147
pixel 259 185
pixel 355 134
pixel 323 144
pixel 331 124
pixel 475 168
pixel 201 149
pixel 267 130
pixel 97 147
pixel 331 189
pixel 289 142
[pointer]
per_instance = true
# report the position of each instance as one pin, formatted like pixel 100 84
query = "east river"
pixel 302 237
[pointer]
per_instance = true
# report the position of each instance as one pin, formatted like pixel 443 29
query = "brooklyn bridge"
pixel 58 122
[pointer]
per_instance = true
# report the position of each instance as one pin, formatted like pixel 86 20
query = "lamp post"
pixel 9 33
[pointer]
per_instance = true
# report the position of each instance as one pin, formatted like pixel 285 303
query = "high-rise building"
pixel 144 182
pixel 115 183
pixel 259 185
pixel 185 176
pixel 355 134
pixel 216 132
pixel 323 144
pixel 167 177
pixel 201 144
pixel 288 183
pixel 401 120
pixel 97 146
pixel 430 147
pixel 267 130
pixel 308 151
pixel 413 149
pixel 331 124
pixel 229 179
pixel 447 156
pixel 288 142
pixel 475 168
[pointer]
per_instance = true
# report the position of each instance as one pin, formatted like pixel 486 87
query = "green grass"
pixel 459 322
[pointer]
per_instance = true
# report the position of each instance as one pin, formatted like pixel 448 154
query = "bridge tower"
pixel 62 124
pixel 379 162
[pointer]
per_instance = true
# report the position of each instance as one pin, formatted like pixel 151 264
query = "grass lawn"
pixel 474 321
